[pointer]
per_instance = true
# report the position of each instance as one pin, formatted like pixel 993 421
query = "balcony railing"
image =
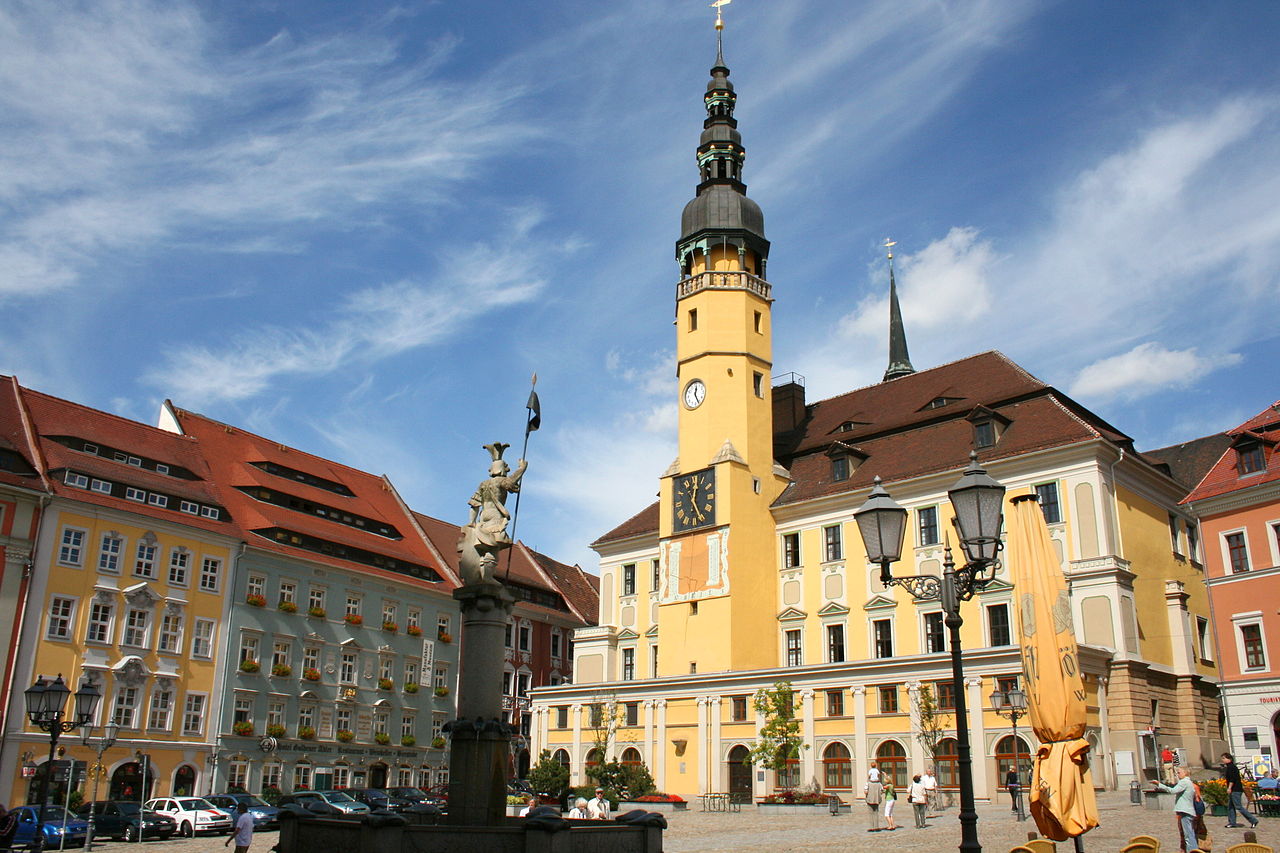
pixel 735 280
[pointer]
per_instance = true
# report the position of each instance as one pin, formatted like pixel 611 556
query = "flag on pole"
pixel 535 409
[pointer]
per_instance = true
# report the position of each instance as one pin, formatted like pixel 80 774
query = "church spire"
pixel 899 358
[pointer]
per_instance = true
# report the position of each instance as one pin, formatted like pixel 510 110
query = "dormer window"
pixel 839 469
pixel 984 434
pixel 1250 459
pixel 939 402
pixel 987 426
pixel 845 459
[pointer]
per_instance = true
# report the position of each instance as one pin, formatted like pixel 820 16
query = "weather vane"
pixel 717 6
pixel 888 245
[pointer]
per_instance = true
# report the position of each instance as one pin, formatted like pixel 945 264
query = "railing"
pixel 735 280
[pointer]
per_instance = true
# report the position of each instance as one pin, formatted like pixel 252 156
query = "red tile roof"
pixel 18 460
pixel 1224 476
pixel 1189 461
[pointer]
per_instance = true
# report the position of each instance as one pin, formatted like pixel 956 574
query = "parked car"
pixel 307 803
pixel 265 815
pixel 324 802
pixel 61 828
pixel 119 819
pixel 344 801
pixel 380 799
pixel 193 815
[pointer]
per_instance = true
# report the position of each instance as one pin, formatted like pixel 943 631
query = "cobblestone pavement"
pixel 696 832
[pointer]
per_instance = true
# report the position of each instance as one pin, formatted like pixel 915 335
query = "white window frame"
pixel 1227 568
pixel 124 706
pixel 1240 621
pixel 924 632
pixel 71 546
pixel 210 512
pixel 152 547
pixel 1273 540
pixel 110 550
pixel 100 486
pixel 199 636
pixel 76 479
pixel 986 620
pixel 189 507
pixel 348 668
pixel 787 630
pixel 288 591
pixel 108 625
pixel 157 706
pixel 64 616
pixel 826 641
pixel 159 500
pixel 827 529
pixel 130 636
pixel 179 566
pixel 871 637
pixel 133 493
pixel 210 574
pixel 169 641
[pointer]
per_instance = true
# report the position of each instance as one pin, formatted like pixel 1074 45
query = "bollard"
pixel 1135 793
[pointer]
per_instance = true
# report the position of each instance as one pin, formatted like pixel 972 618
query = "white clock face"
pixel 694 393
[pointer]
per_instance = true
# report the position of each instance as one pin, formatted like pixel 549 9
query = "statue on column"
pixel 485 534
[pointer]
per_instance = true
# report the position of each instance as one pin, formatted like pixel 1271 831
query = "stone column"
pixel 918 758
pixel 660 739
pixel 576 761
pixel 713 749
pixel 650 754
pixel 760 786
pixel 978 740
pixel 702 743
pixel 860 744
pixel 479 739
pixel 807 773
pixel 1108 763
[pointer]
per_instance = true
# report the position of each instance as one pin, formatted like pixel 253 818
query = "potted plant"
pixel 353 619
pixel 382 738
pixel 1214 792
pixel 256 599
pixel 311 674
pixel 282 670
pixel 390 626
pixel 317 612
pixel 442 691
pixel 437 742
pixel 306 732
pixel 345 735
pixel 444 637
pixel 244 728
pixel 275 730
pixel 385 684
pixel 250 666
pixel 410 687
pixel 287 607
pixel 408 740
pixel 413 631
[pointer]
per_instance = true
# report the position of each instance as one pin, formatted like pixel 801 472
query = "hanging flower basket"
pixel 442 691
pixel 437 743
pixel 345 735
pixel 390 626
pixel 255 599
pixel 353 619
pixel 250 666
pixel 244 728
pixel 317 612
pixel 408 740
pixel 445 637
pixel 275 730
pixel 282 670
pixel 385 684
pixel 287 607
pixel 413 631
pixel 382 738
pixel 310 674
pixel 306 732
pixel 411 687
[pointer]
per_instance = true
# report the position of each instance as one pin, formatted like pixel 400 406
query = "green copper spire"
pixel 899 358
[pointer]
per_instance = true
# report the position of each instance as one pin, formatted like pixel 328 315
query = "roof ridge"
pixel 29 432
pixel 925 372
pixel 107 414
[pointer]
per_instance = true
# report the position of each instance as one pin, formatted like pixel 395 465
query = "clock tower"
pixel 718 569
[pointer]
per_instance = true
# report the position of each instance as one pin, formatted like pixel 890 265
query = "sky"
pixel 359 229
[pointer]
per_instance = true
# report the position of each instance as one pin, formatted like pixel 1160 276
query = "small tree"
pixel 778 740
pixel 606 715
pixel 548 776
pixel 931 726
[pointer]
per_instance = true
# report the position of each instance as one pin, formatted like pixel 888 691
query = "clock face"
pixel 694 500
pixel 694 393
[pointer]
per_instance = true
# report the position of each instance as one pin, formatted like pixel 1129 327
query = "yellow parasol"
pixel 1062 798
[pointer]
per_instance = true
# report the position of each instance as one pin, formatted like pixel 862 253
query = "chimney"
pixel 788 403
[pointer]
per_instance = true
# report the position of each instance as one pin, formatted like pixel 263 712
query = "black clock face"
pixel 694 500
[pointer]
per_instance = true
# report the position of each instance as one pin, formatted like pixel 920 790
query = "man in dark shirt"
pixel 1235 792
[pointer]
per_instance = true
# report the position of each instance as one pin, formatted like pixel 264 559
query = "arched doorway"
pixel 378 775
pixel 184 781
pixel 1008 750
pixel 1275 733
pixel 739 771
pixel 126 783
pixel 522 763
pixel 891 758
pixel 837 766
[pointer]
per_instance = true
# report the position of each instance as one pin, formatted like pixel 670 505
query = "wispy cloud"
pixel 1146 369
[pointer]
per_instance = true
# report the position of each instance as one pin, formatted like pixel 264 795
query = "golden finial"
pixel 888 245
pixel 716 5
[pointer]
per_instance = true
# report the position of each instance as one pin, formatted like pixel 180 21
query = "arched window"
pixel 1006 749
pixel 891 758
pixel 789 777
pixel 184 781
pixel 946 766
pixel 631 757
pixel 593 761
pixel 561 757
pixel 837 769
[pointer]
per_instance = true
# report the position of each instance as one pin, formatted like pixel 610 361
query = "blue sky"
pixel 359 228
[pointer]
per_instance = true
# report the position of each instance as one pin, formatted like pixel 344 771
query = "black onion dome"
pixel 718 207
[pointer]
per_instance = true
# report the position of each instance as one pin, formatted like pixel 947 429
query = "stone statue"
pixel 485 534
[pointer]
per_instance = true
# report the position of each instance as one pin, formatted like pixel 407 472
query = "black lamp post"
pixel 109 734
pixel 1012 704
pixel 46 706
pixel 978 501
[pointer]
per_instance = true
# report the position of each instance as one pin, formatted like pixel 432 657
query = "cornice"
pixel 1242 498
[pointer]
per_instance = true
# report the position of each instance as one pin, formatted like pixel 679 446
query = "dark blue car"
pixel 59 824
pixel 265 816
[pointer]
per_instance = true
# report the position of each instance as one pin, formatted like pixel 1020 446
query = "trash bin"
pixel 833 803
pixel 1135 793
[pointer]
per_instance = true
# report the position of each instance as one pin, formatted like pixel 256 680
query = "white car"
pixel 193 815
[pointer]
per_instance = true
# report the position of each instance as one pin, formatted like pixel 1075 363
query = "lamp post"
pixel 1012 704
pixel 109 734
pixel 46 707
pixel 978 501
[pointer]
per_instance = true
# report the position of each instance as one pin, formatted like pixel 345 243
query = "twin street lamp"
pixel 46 708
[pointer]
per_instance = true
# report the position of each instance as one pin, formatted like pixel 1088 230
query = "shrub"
pixel 385 684
pixel 255 599
pixel 286 607
pixel 408 740
pixel 270 793
pixel 410 687
pixel 345 735
pixel 75 799
pixel 548 776
pixel 250 666
pixel 282 669
pixel 617 778
pixel 390 626
pixel 317 612
pixel 353 619
pixel 311 674
pixel 437 742
pixel 659 798
pixel 442 691
pixel 1214 792
pixel 382 738
pixel 275 730
pixel 306 732
pixel 413 631
pixel 588 792
pixel 244 728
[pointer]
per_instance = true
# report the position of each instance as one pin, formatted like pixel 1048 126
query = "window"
pixel 189 507
pixel 835 643
pixel 882 632
pixel 1255 655
pixel 693 319
pixel 161 710
pixel 738 708
pixel 934 634
pixel 794 655
pixel 629 579
pixel 946 695
pixel 927 524
pixel 628 664
pixel 381 720
pixel 256 585
pixel 126 703
pixel 837 768
pixel 193 714
pixel 288 592
pixel 301 777
pixel 310 657
pixel 137 628
pixel 413 617
pixel 1250 459
pixel 388 612
pixel 406 725
pixel 657 574
pixel 306 715
pixel 347 671
pixel 282 653
pixel 984 434
pixel 91 448
pixel 888 695
pixel 1174 538
pixel 135 494
pixel 509 636
pixel 315 598
pixel 170 634
pixel 757 384
pixel 101 486
pixel 633 714
pixel 791 550
pixel 1202 635
pixel 653 659
pixel 353 605
pixel 998 632
pixel 80 481
pixel 411 672
pixel 210 572
pixel 556 640
pixel 525 632
pixel 161 468
pixel 832 547
pixel 249 648
pixel 145 564
pixel 835 703
pixel 756 322
pixel 562 717
pixel 839 469
pixel 157 500
pixel 210 512
pixel 179 564
pixel 1193 541
pixel 243 710
pixel 202 639
pixel 440 678
pixel 71 552
pixel 342 719
pixel 109 554
pixel 1237 552
pixel 61 610
pixel 100 616
pixel 1047 493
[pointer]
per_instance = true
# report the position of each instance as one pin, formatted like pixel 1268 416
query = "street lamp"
pixel 46 706
pixel 978 501
pixel 109 734
pixel 1012 704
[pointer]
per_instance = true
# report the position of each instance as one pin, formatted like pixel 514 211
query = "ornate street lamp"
pixel 46 704
pixel 1012 705
pixel 109 734
pixel 978 501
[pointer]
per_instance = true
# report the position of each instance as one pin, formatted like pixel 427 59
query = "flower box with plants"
pixel 275 730
pixel 353 619
pixel 802 801
pixel 413 631
pixel 255 600
pixel 311 674
pixel 306 732
pixel 408 740
pixel 442 691
pixel 250 666
pixel 444 637
pixel 345 735
pixel 244 728
pixel 437 742
pixel 382 738
pixel 287 607
pixel 385 683
pixel 282 670
pixel 655 803
pixel 318 612
pixel 390 627
pixel 411 687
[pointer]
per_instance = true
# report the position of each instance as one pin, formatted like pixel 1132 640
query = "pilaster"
pixel 860 745
pixel 807 733
pixel 978 739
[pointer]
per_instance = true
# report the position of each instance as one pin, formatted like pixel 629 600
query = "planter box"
pixel 631 805
pixel 798 808
pixel 1218 811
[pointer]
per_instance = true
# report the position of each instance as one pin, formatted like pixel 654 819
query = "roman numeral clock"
pixel 694 500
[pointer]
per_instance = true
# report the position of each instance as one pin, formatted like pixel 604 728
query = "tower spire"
pixel 899 358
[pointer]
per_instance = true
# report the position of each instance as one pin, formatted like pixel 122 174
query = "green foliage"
pixel 779 739
pixel 588 792
pixel 548 776
pixel 617 778
pixel 515 800
pixel 75 799
pixel 931 726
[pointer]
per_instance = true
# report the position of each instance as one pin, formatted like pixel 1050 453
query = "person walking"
pixel 873 792
pixel 1184 804
pixel 931 788
pixel 890 798
pixel 8 828
pixel 919 799
pixel 243 833
pixel 1235 792
pixel 1013 785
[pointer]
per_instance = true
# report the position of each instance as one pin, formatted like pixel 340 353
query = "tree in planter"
pixel 548 776
pixel 778 740
pixel 930 724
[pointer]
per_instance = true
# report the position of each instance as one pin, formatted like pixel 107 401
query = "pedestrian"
pixel 599 806
pixel 579 810
pixel 919 799
pixel 873 792
pixel 931 788
pixel 1203 840
pixel 530 804
pixel 890 797
pixel 8 827
pixel 873 774
pixel 1235 793
pixel 243 832
pixel 1014 786
pixel 1184 804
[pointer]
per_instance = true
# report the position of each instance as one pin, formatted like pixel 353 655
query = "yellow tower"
pixel 717 533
